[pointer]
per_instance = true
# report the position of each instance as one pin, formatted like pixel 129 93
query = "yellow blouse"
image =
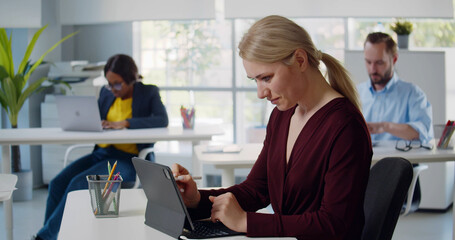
pixel 119 111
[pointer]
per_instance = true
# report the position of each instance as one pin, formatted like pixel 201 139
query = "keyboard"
pixel 208 229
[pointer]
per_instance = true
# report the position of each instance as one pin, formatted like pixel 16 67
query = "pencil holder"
pixel 104 195
pixel 188 115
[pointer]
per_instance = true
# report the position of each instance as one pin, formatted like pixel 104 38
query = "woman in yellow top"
pixel 124 103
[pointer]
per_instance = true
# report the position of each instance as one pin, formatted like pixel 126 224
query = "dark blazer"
pixel 148 110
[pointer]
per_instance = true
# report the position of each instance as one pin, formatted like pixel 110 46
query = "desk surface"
pixel 247 155
pixel 79 222
pixel 250 152
pixel 419 155
pixel 38 136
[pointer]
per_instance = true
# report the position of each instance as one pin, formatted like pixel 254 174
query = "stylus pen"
pixel 194 178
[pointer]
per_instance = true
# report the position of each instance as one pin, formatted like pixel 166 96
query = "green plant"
pixel 402 27
pixel 14 89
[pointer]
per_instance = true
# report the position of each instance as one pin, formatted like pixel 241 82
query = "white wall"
pixel 51 35
pixel 20 13
pixel 108 11
pixel 339 8
pixel 98 42
pixel 27 13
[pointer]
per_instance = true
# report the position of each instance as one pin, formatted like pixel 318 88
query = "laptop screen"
pixel 78 113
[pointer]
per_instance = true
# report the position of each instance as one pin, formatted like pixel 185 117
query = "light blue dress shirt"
pixel 398 102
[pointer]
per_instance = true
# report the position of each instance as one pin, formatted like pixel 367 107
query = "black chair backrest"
pixel 386 190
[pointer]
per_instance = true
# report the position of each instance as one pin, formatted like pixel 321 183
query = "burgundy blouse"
pixel 319 194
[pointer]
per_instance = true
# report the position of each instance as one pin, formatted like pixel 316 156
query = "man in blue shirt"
pixel 393 109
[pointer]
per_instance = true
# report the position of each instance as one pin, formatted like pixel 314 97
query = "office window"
pixel 190 61
pixel 186 53
pixel 197 63
pixel 427 33
pixel 434 33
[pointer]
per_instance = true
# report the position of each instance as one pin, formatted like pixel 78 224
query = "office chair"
pixel 142 154
pixel 387 187
pixel 414 195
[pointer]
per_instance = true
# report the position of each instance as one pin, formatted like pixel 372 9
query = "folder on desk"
pixel 223 149
pixel 446 134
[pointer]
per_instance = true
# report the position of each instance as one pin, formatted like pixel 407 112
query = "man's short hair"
pixel 380 37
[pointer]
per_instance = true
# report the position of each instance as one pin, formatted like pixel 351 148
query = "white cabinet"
pixel 434 73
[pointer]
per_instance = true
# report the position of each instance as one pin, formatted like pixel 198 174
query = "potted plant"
pixel 14 90
pixel 402 28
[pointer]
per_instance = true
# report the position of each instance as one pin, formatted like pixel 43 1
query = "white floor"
pixel 29 215
pixel 424 226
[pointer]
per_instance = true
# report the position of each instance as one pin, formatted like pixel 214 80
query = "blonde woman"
pixel 314 166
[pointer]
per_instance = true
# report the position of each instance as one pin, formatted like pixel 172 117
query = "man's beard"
pixel 383 80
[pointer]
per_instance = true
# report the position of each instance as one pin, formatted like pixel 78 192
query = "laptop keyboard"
pixel 208 229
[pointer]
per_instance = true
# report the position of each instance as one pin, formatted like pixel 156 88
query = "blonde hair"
pixel 275 39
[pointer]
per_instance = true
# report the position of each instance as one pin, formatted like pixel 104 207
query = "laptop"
pixel 78 113
pixel 166 211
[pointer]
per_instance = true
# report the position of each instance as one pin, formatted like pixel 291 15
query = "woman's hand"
pixel 226 209
pixel 115 125
pixel 187 186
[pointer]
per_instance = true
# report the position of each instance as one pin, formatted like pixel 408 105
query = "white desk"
pixel 248 156
pixel 39 136
pixel 228 162
pixel 78 221
pixel 420 155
